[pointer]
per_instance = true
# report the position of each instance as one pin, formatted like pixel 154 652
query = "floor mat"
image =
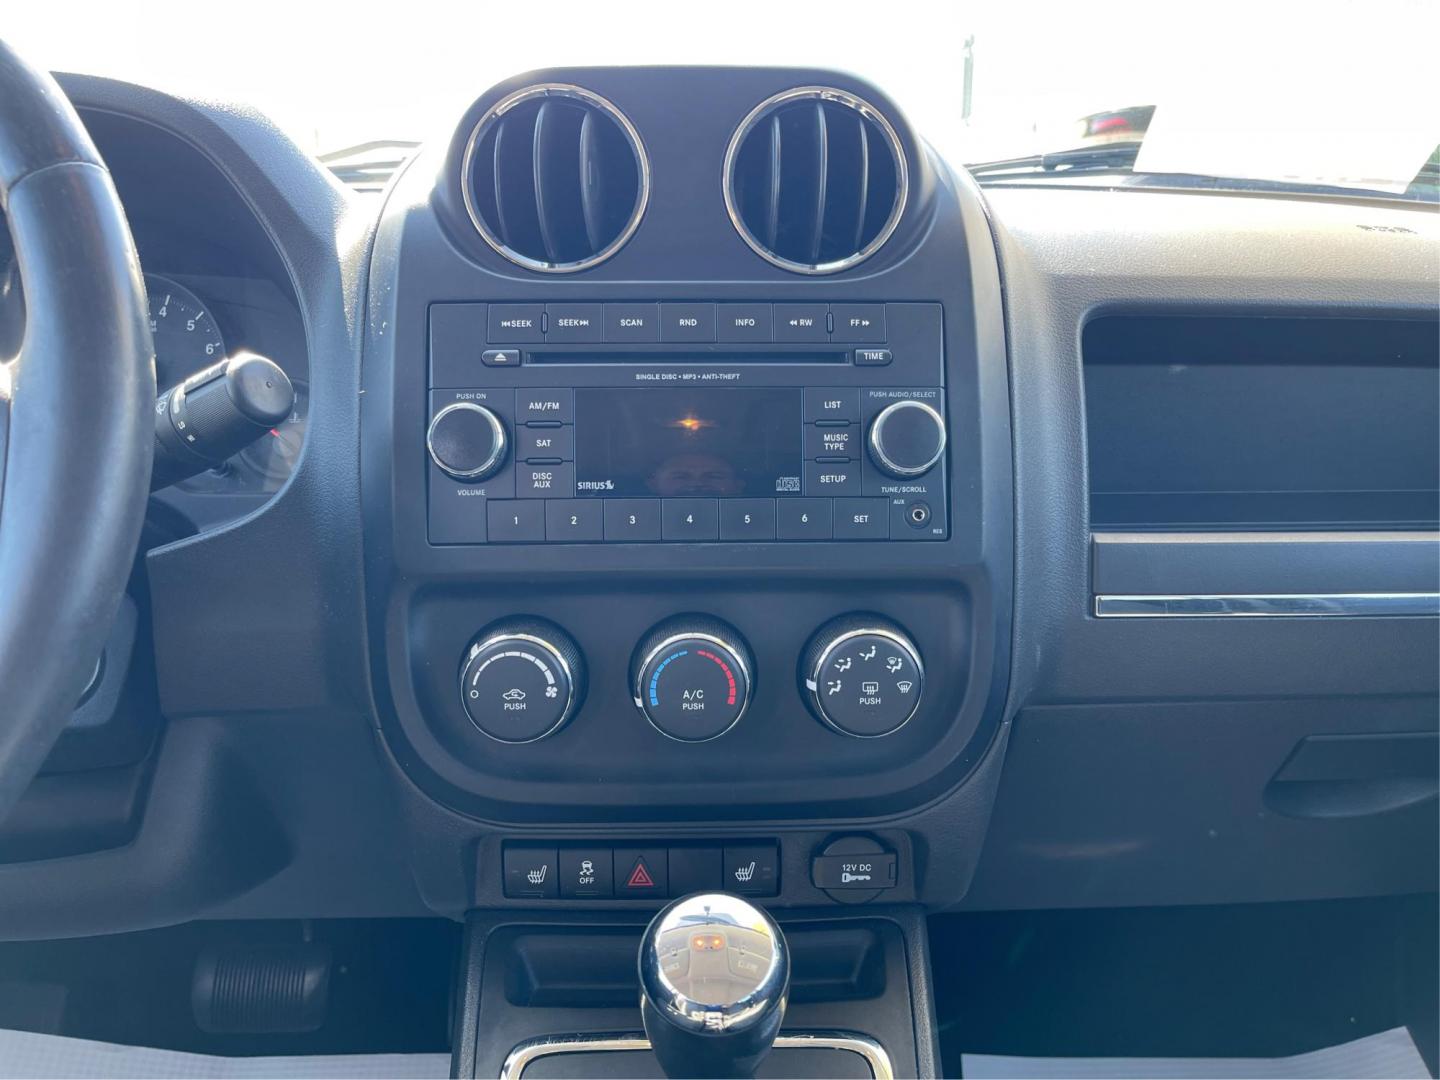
pixel 1390 1054
pixel 26 1054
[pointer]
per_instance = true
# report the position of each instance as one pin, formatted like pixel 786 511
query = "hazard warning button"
pixel 641 872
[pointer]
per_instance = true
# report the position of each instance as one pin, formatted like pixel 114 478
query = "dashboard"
pixel 694 475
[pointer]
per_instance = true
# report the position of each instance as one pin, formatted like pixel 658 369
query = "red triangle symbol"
pixel 640 877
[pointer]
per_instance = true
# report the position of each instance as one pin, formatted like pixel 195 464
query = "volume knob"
pixel 907 438
pixel 467 441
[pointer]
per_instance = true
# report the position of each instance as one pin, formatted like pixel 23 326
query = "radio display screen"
pixel 674 442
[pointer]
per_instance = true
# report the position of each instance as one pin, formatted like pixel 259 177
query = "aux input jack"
pixel 918 514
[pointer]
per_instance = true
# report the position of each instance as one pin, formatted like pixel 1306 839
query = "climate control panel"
pixel 692 678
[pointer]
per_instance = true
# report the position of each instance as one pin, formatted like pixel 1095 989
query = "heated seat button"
pixel 586 874
pixel 752 870
pixel 530 872
pixel 641 873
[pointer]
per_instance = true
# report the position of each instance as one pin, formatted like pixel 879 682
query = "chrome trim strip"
pixel 528 1052
pixel 589 97
pixel 1268 605
pixel 839 97
pixel 812 678
pixel 497 453
pixel 727 647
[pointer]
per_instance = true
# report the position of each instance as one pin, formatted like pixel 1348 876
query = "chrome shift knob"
pixel 714 978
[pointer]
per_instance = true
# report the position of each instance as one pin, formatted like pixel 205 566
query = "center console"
pixel 686 480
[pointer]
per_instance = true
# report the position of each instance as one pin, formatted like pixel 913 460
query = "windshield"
pixel 1316 92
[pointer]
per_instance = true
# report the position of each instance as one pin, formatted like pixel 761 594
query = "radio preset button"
pixel 859 322
pixel 634 520
pixel 632 322
pixel 832 441
pixel 572 323
pixel 690 519
pixel 555 406
pixel 747 519
pixel 832 478
pixel 801 322
pixel 545 481
pixel 515 521
pixel 687 322
pixel 744 322
pixel 805 519
pixel 516 323
pixel 556 442
pixel 832 403
pixel 862 519
pixel 575 520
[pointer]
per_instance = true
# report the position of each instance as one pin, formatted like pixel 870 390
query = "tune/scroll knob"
pixel 467 440
pixel 522 679
pixel 907 438
pixel 862 675
pixel 692 677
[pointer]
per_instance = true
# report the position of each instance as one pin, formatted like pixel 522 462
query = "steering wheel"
pixel 76 417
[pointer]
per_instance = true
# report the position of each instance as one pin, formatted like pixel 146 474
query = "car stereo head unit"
pixel 559 423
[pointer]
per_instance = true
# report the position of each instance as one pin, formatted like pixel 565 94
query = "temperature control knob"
pixel 467 441
pixel 522 679
pixel 691 677
pixel 862 675
pixel 907 438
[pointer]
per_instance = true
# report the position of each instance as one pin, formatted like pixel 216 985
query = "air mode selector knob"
pixel 907 438
pixel 862 675
pixel 522 679
pixel 468 441
pixel 691 677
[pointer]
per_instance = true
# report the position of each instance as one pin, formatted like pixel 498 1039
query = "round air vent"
pixel 555 178
pixel 815 180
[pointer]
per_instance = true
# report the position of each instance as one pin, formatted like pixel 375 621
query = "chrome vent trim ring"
pixel 867 113
pixel 587 98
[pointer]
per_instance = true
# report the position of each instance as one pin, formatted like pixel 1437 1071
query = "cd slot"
pixel 670 358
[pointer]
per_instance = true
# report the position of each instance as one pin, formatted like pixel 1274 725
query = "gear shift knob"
pixel 714 978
